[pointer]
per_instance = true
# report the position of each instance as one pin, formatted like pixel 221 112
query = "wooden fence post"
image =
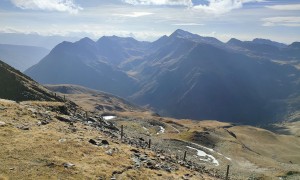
pixel 184 156
pixel 227 172
pixel 122 131
pixel 149 144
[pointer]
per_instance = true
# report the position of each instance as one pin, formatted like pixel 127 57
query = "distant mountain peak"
pixel 86 40
pixel 179 33
pixel 295 45
pixel 182 34
pixel 268 42
pixel 116 38
pixel 234 41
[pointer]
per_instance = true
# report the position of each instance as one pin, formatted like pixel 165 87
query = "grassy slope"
pixel 38 154
pixel 93 100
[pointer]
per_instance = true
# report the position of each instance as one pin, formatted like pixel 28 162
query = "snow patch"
pixel 227 158
pixel 211 150
pixel 205 157
pixel 108 117
pixel 162 130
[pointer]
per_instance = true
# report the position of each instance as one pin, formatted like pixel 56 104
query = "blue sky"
pixel 278 20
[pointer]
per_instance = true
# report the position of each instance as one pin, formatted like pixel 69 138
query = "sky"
pixel 147 20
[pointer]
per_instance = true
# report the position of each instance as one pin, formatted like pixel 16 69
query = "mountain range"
pixel 185 75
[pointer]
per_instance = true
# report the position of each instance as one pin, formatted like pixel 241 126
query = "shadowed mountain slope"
pixel 19 87
pixel 185 75
pixel 80 63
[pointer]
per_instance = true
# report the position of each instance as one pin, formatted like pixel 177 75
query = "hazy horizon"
pixel 147 20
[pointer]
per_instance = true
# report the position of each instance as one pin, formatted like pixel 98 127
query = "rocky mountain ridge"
pixel 184 75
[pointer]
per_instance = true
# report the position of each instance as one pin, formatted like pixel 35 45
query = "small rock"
pixel 51 165
pixel 162 158
pixel 157 166
pixel 62 140
pixel 111 151
pixel 151 164
pixel 167 168
pixel 68 165
pixel 64 118
pixel 43 122
pixel 104 142
pixel 134 150
pixel 22 127
pixel 2 123
pixel 186 176
pixel 92 141
pixel 100 178
pixel 143 158
pixel 137 154
pixel 11 169
pixel 92 119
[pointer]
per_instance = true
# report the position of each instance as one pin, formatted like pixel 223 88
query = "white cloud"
pixel 160 2
pixel 213 6
pixel 134 14
pixel 188 24
pixel 290 21
pixel 222 6
pixel 49 5
pixel 287 7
